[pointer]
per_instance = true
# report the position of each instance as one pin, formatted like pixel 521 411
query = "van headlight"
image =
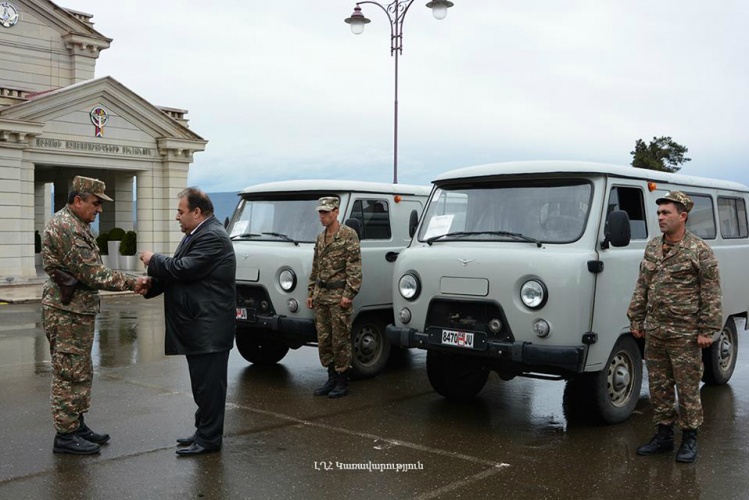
pixel 409 286
pixel 533 293
pixel 287 280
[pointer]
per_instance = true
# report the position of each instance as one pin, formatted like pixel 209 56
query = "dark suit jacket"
pixel 199 291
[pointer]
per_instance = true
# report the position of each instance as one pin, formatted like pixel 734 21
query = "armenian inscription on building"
pixel 94 147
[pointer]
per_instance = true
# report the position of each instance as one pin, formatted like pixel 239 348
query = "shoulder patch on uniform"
pixel 711 272
pixel 86 253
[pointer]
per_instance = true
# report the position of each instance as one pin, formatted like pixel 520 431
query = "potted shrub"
pixel 115 238
pixel 37 249
pixel 128 247
pixel 102 241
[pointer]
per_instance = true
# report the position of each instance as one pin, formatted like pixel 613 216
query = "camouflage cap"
pixel 327 203
pixel 677 197
pixel 89 185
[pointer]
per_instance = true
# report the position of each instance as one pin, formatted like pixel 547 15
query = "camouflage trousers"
pixel 675 362
pixel 70 338
pixel 333 324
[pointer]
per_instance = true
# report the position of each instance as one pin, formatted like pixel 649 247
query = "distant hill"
pixel 224 204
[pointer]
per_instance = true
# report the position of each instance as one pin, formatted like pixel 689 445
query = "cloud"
pixel 284 90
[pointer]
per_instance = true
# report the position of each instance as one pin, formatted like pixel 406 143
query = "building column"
pixel 108 215
pixel 42 205
pixel 146 215
pixel 62 188
pixel 122 193
pixel 157 206
pixel 17 200
pixel 16 215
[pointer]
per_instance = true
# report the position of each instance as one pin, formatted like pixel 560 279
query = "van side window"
pixel 631 201
pixel 732 215
pixel 701 221
pixel 374 218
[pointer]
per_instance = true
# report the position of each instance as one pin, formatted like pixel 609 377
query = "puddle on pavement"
pixel 129 330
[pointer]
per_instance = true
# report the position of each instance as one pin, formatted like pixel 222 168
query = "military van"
pixel 274 228
pixel 527 269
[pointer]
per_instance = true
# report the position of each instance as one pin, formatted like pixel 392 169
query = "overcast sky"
pixel 284 90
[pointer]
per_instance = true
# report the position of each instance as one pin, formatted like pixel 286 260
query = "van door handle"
pixel 391 256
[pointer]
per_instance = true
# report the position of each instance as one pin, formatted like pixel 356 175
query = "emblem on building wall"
pixel 99 118
pixel 8 14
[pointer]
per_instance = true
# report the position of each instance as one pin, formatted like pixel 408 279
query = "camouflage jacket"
pixel 69 245
pixel 338 262
pixel 677 294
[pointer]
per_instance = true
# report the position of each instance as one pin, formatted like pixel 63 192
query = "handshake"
pixel 142 285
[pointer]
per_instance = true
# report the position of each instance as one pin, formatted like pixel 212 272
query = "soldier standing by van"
pixel 676 306
pixel 334 281
pixel 70 301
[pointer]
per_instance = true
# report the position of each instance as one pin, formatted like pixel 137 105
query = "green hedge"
pixel 102 241
pixel 129 244
pixel 116 234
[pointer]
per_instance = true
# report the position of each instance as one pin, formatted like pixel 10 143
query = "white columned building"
pixel 58 121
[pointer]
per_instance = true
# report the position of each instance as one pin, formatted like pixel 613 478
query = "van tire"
pixel 611 394
pixel 454 376
pixel 720 358
pixel 370 349
pixel 260 351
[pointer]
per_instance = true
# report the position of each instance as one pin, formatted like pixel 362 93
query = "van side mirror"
pixel 354 224
pixel 413 223
pixel 618 232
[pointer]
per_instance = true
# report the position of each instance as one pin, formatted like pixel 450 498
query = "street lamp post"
pixel 396 13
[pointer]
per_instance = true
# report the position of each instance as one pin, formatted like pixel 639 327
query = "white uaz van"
pixel 274 229
pixel 527 269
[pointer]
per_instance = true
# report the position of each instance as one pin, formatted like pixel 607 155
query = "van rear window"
pixel 732 216
pixel 701 221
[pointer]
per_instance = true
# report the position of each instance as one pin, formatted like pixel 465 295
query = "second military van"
pixel 274 228
pixel 527 269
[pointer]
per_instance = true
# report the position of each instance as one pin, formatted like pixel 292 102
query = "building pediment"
pixel 74 25
pixel 75 104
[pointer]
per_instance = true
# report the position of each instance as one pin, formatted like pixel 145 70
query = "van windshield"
pixel 294 220
pixel 546 211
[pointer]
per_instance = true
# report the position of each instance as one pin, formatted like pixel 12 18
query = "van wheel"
pixel 370 348
pixel 260 351
pixel 720 358
pixel 454 376
pixel 611 394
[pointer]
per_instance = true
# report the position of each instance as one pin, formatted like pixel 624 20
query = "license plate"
pixel 241 313
pixel 458 339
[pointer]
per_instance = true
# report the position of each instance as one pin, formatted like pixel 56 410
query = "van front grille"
pixel 468 315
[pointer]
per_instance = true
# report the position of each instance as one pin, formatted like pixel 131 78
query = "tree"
pixel 663 154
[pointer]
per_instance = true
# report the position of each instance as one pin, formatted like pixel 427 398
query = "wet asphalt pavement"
pixel 514 441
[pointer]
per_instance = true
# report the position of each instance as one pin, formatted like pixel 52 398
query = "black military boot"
pixel 74 444
pixel 688 450
pixel 89 435
pixel 662 442
pixel 341 385
pixel 329 384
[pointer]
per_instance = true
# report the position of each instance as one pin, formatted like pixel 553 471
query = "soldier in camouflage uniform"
pixel 676 306
pixel 333 283
pixel 69 247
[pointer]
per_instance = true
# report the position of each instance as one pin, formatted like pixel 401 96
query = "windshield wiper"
pixel 456 233
pixel 283 237
pixel 244 235
pixel 518 236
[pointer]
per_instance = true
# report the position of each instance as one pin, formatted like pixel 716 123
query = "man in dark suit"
pixel 200 309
